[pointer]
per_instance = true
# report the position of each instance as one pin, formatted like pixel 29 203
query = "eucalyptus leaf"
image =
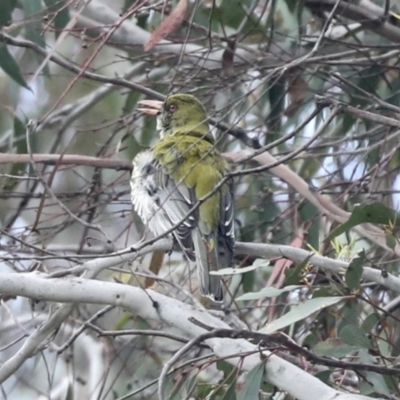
pixel 236 271
pixel 334 347
pixel 391 241
pixel 10 66
pixel 354 336
pixel 252 384
pixel 60 9
pixel 6 9
pixel 378 383
pixel 370 322
pixel 268 292
pixel 295 275
pixel 300 312
pixel 33 13
pixel 324 376
pixel 355 270
pixel 230 393
pixel 21 148
pixel 375 213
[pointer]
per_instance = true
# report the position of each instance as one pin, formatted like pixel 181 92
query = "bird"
pixel 183 167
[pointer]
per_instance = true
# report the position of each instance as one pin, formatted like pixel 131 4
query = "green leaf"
pixel 295 275
pixel 260 262
pixel 236 271
pixel 365 357
pixel 370 322
pixel 391 241
pixel 308 212
pixel 229 379
pixel 350 312
pixel 276 95
pixel 334 347
pixel 324 376
pixel 226 368
pixel 248 281
pixel 60 9
pixel 10 66
pixel 298 313
pixel 253 382
pixel 355 270
pixel 378 383
pixel 6 9
pixel 230 13
pixel 21 148
pixel 33 11
pixel 310 340
pixel 354 336
pixel 375 213
pixel 268 292
pixel 291 5
pixel 230 393
pixel 204 391
pixel 189 385
pixel 384 346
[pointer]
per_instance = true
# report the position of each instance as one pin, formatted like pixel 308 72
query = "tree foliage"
pixel 303 98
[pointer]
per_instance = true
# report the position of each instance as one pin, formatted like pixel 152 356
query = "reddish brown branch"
pixel 73 159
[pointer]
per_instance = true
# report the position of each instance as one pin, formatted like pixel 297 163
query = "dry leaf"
pixel 156 263
pixel 227 58
pixel 297 90
pixel 168 25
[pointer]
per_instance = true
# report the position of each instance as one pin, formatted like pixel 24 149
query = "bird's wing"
pixel 214 248
pixel 176 200
pixel 226 237
pixel 227 228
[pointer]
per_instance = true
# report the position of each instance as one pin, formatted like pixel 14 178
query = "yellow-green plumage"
pixel 196 163
pixel 188 168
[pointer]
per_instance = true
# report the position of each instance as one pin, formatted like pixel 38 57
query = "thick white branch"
pixel 265 250
pixel 152 305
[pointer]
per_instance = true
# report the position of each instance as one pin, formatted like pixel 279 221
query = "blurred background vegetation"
pixel 268 71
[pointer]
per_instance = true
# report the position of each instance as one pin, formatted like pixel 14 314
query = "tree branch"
pixel 152 305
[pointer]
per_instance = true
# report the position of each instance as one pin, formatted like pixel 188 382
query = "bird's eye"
pixel 173 107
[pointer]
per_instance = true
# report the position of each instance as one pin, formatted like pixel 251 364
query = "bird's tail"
pixel 212 254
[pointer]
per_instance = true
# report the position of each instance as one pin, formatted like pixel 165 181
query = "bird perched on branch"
pixel 182 183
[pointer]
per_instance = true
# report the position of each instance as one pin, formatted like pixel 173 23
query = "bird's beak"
pixel 155 105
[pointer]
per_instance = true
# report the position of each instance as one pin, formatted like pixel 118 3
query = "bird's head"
pixel 179 114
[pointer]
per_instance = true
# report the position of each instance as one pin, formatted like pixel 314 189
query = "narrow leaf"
pixel 230 393
pixel 10 66
pixel 20 144
pixel 324 376
pixel 225 367
pixel 391 241
pixel 354 336
pixel 375 213
pixel 334 347
pixel 268 292
pixel 377 381
pixel 33 11
pixel 253 382
pixel 236 271
pixel 370 322
pixel 298 313
pixel 168 25
pixel 60 9
pixel 6 9
pixel 295 275
pixel 355 270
